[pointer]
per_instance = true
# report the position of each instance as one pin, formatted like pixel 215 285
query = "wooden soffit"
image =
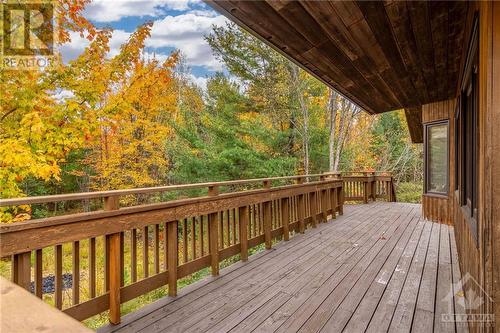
pixel 382 55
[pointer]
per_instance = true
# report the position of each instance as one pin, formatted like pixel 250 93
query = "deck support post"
pixel 267 224
pixel 115 274
pixel 21 269
pixel 243 219
pixel 113 266
pixel 285 216
pixel 213 221
pixel 172 257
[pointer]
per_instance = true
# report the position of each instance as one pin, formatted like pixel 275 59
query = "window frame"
pixel 468 135
pixel 426 158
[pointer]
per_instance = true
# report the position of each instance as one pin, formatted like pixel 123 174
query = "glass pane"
pixel 437 164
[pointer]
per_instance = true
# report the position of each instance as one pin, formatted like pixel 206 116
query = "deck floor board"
pixel 377 268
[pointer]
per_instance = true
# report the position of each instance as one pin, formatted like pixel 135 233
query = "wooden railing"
pixel 364 186
pixel 139 248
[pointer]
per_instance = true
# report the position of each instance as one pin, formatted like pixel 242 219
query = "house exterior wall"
pixel 480 255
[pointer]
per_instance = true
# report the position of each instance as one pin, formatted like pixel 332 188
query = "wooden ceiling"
pixel 382 55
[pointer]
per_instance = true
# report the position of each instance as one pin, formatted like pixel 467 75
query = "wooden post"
pixel 21 269
pixel 365 191
pixel 76 273
pixel 267 224
pixel 213 191
pixel 341 200
pixel 114 278
pixel 266 184
pixel 172 257
pixel 213 221
pixel 58 285
pixel 301 211
pixel 314 208
pixel 113 265
pixel 285 215
pixel 334 202
pixel 243 219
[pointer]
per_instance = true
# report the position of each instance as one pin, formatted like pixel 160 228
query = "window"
pixel 436 158
pixel 467 134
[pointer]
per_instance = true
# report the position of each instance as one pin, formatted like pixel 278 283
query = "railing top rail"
pixel 144 190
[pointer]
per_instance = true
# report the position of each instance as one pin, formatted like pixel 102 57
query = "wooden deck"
pixel 380 267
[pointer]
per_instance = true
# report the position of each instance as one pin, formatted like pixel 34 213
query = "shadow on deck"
pixel 379 267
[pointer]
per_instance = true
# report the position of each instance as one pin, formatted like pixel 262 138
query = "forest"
pixel 104 122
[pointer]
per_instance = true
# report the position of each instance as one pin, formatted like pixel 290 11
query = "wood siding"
pixel 437 208
pixel 480 258
pixel 437 111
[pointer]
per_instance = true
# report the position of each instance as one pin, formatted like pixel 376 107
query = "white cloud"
pixel 199 81
pixel 73 49
pixel 185 32
pixel 113 11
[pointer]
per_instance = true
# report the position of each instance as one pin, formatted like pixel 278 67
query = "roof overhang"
pixel 383 56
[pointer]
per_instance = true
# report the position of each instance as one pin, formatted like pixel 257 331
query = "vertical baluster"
pixel 184 241
pixel 122 259
pixel 267 223
pixel 213 241
pixel 173 257
pixel 221 229
pixel 234 226
pixel 133 255
pixel 341 200
pixel 193 237
pixel 202 236
pixel 301 213
pixel 333 197
pixel 313 208
pixel 261 219
pixel 228 228
pixel 92 268
pixel 39 273
pixel 145 251
pixel 250 221
pixel 156 236
pixel 243 219
pixel 285 217
pixel 76 272
pixel 58 276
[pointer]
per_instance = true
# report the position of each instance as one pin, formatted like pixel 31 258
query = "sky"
pixel 177 24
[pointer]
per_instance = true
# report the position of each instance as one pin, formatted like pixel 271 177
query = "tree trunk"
pixel 305 115
pixel 332 108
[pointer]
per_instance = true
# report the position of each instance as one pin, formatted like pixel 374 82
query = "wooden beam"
pixel 414 121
